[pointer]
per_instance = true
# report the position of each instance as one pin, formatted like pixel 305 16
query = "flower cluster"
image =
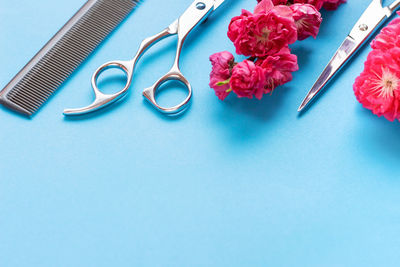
pixel 264 36
pixel 327 4
pixel 378 86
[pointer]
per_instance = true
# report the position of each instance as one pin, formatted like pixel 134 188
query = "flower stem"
pixel 223 82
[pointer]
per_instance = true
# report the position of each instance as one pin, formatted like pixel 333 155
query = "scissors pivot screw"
pixel 200 6
pixel 363 27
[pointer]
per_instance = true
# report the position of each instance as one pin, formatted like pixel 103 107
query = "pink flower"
pixel 307 19
pixel 389 37
pixel 278 2
pixel 264 6
pixel 248 80
pixel 222 64
pixel 278 68
pixel 378 86
pixel 264 36
pixel 316 3
pixel 333 4
pixel 265 32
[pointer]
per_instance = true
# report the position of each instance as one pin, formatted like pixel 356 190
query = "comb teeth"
pixel 58 59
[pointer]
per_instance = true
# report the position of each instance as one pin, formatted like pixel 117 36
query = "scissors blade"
pixel 372 18
pixel 342 55
pixel 218 3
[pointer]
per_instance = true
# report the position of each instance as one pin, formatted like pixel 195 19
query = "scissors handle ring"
pixel 102 99
pixel 125 66
pixel 151 92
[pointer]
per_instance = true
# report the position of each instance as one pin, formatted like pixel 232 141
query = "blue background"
pixel 235 183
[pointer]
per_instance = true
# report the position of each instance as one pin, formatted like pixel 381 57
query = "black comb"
pixel 58 59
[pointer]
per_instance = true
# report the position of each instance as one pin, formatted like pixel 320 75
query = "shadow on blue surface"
pixel 244 121
pixel 378 135
pixel 14 113
pixel 261 110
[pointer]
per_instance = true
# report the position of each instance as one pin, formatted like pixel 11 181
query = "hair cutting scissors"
pixel 370 21
pixel 192 17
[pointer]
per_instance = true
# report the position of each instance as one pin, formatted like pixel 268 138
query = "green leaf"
pixel 223 82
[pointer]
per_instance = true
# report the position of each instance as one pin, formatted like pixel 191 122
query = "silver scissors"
pixel 198 11
pixel 370 21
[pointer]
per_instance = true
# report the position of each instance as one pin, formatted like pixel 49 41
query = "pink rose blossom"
pixel 248 80
pixel 333 4
pixel 265 32
pixel 278 2
pixel 264 6
pixel 278 68
pixel 264 37
pixel 316 3
pixel 307 19
pixel 378 86
pixel 222 64
pixel 389 37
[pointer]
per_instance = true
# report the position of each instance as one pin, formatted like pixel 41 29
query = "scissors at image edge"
pixel 370 21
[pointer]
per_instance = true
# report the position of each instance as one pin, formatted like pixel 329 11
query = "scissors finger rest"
pixel 102 99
